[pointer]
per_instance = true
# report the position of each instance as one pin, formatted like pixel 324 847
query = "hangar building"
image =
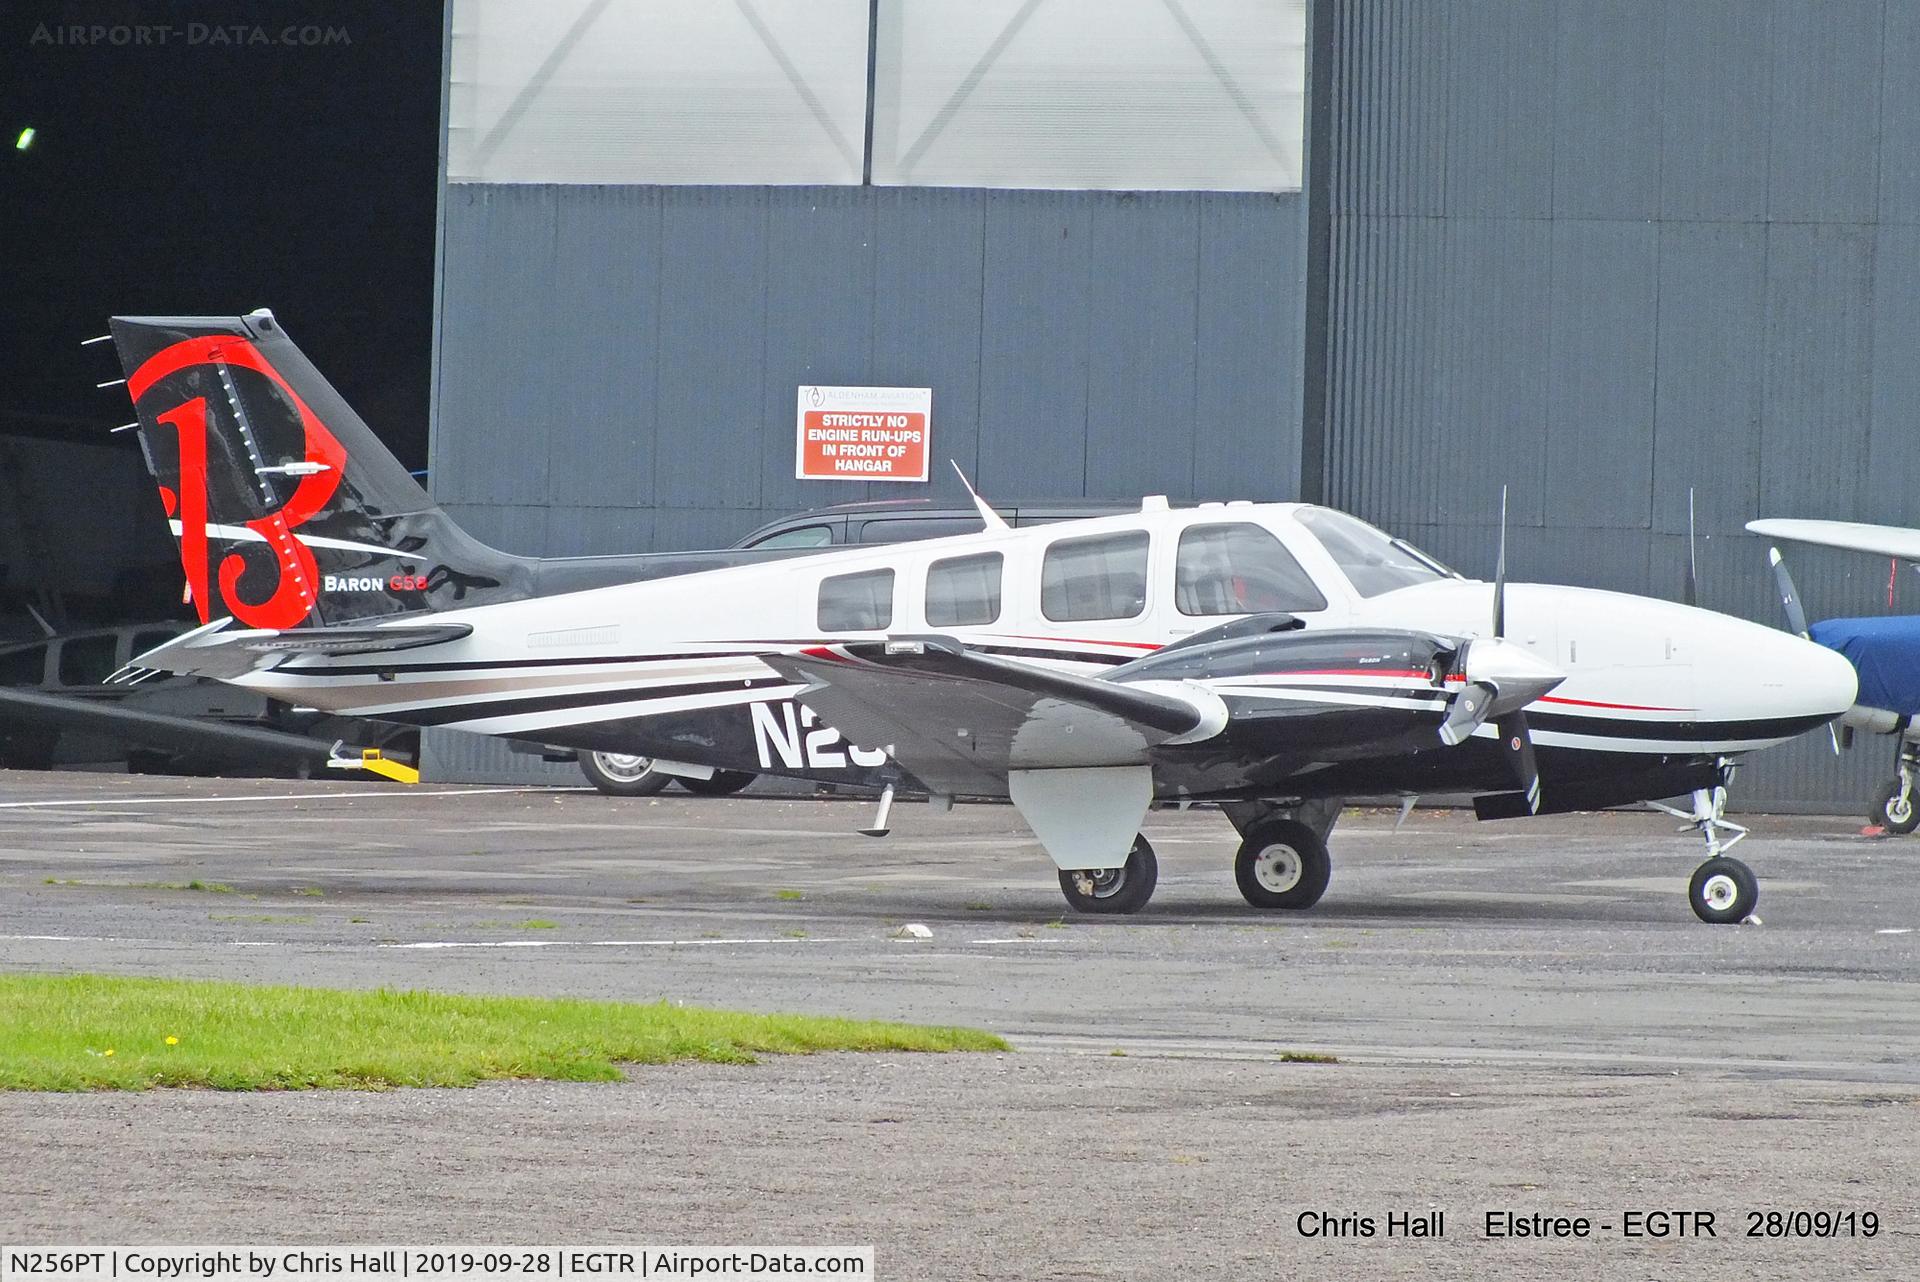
pixel 1385 254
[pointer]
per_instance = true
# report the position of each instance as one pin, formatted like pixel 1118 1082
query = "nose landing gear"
pixel 1722 890
pixel 1894 805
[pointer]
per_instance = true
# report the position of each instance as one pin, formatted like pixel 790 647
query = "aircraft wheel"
pixel 1125 889
pixel 1282 864
pixel 621 774
pixel 1723 891
pixel 724 783
pixel 1894 808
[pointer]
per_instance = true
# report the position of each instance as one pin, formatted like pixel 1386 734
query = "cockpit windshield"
pixel 1373 562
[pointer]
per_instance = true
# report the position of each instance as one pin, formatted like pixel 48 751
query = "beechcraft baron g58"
pixel 1275 658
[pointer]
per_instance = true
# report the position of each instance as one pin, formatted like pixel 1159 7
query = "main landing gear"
pixel 1722 890
pixel 1282 863
pixel 1125 889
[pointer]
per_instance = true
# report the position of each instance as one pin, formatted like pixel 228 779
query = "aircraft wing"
pixel 214 651
pixel 1853 536
pixel 163 732
pixel 961 721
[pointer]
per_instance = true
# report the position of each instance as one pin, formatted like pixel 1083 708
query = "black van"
pixel 904 520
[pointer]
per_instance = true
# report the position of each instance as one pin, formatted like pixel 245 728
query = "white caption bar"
pixel 426 1263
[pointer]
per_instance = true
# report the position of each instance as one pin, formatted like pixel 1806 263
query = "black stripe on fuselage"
pixel 482 710
pixel 503 665
pixel 1673 731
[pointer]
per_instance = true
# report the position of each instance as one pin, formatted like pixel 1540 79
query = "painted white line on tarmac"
pixel 401 791
pixel 1016 940
pixel 425 945
pixel 605 943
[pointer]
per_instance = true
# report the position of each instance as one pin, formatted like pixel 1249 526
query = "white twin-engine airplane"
pixel 1275 658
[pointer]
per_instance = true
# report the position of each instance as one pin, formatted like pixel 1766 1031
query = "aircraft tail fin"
pixel 288 509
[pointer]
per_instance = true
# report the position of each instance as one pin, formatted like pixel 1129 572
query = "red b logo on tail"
pixel 293 596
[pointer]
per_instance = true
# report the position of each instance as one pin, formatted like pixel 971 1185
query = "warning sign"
pixel 864 433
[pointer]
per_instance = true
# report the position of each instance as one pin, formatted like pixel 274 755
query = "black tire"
pixel 1282 863
pixel 1891 811
pixel 723 784
pixel 1723 891
pixel 1125 889
pixel 620 774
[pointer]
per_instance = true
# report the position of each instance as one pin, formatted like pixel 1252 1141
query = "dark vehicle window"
pixel 87 661
pixel 964 589
pixel 807 536
pixel 1372 561
pixel 856 602
pixel 1239 569
pixel 26 667
pixel 1102 577
pixel 145 641
pixel 909 529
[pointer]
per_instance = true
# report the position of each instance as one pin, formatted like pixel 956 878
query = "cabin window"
pixel 860 602
pixel 1373 561
pixel 964 590
pixel 1103 577
pixel 1239 568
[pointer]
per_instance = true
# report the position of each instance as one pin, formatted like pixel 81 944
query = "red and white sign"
pixel 864 433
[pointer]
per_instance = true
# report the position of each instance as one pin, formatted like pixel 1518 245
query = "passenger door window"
pixel 807 536
pixel 1102 577
pixel 860 602
pixel 964 590
pixel 1239 568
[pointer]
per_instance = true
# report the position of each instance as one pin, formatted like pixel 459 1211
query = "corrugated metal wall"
pixel 1606 250
pixel 618 365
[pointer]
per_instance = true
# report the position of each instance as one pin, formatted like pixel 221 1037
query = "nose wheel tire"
pixel 1723 891
pixel 1125 889
pixel 621 774
pixel 1894 808
pixel 1282 863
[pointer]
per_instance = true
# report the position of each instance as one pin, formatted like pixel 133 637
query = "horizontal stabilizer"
pixel 215 651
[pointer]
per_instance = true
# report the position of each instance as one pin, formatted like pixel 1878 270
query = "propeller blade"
pixel 1470 708
pixel 1789 597
pixel 1517 745
pixel 1690 592
pixel 1500 573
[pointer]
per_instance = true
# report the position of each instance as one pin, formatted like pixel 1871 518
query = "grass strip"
pixel 106 1032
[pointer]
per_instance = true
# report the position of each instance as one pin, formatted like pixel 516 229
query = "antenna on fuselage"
pixel 988 516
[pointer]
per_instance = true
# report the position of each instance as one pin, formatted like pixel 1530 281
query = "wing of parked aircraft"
pixel 1852 536
pixel 962 722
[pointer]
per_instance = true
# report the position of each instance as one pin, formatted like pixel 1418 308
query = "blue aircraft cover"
pixel 1886 654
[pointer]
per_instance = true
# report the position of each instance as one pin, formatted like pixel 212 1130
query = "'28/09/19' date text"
pixel 1660 1222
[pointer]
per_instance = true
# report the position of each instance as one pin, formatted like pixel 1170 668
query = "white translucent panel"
pixel 1124 94
pixel 658 91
